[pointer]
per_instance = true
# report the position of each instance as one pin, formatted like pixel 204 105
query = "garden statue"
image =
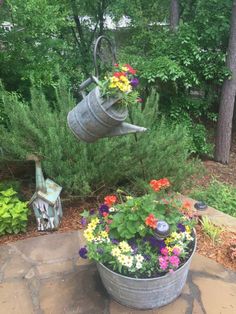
pixel 46 201
pixel 102 112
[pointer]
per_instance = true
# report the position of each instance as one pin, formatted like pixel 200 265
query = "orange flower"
pixel 151 221
pixel 187 205
pixel 119 74
pixel 159 184
pixel 109 200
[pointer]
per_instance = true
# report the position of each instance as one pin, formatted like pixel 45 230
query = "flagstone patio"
pixel 45 275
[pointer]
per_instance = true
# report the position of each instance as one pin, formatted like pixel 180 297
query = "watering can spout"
pixel 125 128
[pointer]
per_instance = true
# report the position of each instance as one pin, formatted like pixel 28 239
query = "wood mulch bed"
pixel 223 251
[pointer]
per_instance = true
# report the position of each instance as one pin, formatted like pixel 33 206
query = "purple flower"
pixel 114 241
pixel 103 209
pixel 100 250
pixel 134 82
pixel 147 257
pixel 181 227
pixel 92 211
pixel 83 252
pixel 83 221
pixel 157 243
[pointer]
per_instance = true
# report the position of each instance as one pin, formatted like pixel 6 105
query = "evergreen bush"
pixel 40 128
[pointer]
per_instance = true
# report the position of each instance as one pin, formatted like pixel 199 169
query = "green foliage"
pixel 163 151
pixel 219 195
pixel 13 213
pixel 210 229
pixel 129 221
pixel 7 184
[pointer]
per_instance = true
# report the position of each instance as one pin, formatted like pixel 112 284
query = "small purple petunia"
pixel 92 212
pixel 134 82
pixel 83 221
pixel 157 243
pixel 181 227
pixel 114 241
pixel 83 252
pixel 103 209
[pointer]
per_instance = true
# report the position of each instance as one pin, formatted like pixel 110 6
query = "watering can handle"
pixel 91 79
pixel 112 48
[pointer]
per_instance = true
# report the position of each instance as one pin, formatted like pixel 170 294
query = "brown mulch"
pixel 223 173
pixel 222 251
pixel 71 221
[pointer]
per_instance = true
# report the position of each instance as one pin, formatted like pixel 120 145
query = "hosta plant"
pixel 13 213
pixel 126 236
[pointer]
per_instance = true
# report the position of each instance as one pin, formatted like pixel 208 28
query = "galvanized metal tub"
pixel 145 293
pixel 94 117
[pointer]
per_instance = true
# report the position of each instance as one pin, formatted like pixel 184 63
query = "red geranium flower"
pixel 109 200
pixel 159 184
pixel 119 74
pixel 130 69
pixel 151 221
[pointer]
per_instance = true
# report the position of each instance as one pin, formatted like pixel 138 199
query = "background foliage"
pixel 186 68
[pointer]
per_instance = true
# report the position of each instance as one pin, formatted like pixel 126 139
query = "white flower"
pixel 128 261
pixel 139 258
pixel 139 265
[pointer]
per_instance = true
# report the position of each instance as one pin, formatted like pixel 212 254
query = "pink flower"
pixel 176 251
pixel 164 251
pixel 174 260
pixel 163 261
pixel 171 271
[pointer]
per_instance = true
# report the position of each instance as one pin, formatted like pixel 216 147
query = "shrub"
pixel 219 195
pixel 163 151
pixel 13 213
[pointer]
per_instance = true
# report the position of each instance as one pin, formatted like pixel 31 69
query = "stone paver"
pixel 45 276
pixel 217 217
pixel 15 298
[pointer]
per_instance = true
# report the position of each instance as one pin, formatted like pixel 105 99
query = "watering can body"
pixel 96 117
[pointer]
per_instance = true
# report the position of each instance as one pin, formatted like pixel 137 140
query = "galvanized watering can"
pixel 96 117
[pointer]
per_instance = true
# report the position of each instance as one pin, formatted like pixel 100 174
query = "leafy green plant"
pixel 210 229
pixel 219 195
pixel 13 213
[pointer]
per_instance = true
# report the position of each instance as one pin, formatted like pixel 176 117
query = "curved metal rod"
pixel 113 52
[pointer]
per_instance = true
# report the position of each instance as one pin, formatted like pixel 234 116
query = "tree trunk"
pixel 224 126
pixel 174 15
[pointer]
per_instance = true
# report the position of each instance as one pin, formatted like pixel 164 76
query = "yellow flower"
pixel 124 69
pixel 104 234
pixel 124 246
pixel 88 235
pixel 129 198
pixel 116 251
pixel 170 249
pixel 187 228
